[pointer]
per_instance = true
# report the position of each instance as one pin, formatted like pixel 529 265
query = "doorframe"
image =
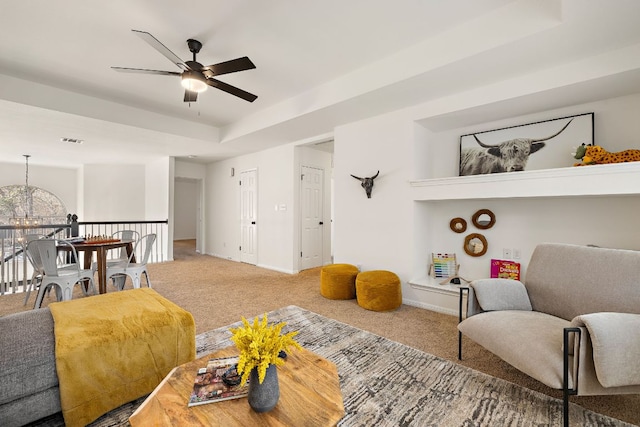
pixel 301 216
pixel 240 212
pixel 199 207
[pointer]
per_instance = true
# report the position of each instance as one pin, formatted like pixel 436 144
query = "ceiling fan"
pixel 195 76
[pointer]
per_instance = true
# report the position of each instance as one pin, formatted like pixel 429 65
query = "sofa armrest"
pixel 615 339
pixel 501 294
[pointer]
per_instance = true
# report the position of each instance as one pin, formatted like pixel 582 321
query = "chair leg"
pixel 67 291
pixel 565 408
pixel 566 390
pixel 119 281
pixel 460 315
pixel 88 285
pixel 41 291
pixel 28 289
pixel 147 276
pixel 40 296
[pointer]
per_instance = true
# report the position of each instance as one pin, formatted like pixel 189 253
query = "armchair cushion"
pixel 501 294
pixel 616 346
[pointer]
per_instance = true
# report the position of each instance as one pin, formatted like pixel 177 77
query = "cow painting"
pixel 508 156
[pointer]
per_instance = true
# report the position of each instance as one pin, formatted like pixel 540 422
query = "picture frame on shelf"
pixel 546 144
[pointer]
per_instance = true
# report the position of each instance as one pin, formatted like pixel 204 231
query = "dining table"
pixel 101 248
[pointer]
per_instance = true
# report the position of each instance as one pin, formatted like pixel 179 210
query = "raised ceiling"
pixel 319 64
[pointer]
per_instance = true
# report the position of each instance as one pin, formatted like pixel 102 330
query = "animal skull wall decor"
pixel 367 183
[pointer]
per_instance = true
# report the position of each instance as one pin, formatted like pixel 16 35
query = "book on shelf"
pixel 505 269
pixel 218 381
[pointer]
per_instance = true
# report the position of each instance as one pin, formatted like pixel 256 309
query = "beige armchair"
pixel 573 324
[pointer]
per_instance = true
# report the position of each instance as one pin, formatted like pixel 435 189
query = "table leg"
pixel 129 248
pixel 102 270
pixel 87 256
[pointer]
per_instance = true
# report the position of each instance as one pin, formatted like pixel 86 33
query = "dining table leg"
pixel 102 270
pixel 88 259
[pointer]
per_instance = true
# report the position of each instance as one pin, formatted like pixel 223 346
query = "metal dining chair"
pixel 34 258
pixel 122 253
pixel 134 270
pixel 63 276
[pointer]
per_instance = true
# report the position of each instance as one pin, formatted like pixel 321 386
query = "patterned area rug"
pixel 385 383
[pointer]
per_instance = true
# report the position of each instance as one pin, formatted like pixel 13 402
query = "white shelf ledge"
pixel 595 180
pixel 433 285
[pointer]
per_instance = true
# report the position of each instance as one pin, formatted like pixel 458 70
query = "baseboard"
pixel 228 258
pixel 281 270
pixel 268 267
pixel 430 307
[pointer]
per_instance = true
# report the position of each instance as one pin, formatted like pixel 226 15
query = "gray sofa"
pixel 29 383
pixel 573 324
pixel 139 335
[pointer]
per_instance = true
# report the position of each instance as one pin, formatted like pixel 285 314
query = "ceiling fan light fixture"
pixel 193 82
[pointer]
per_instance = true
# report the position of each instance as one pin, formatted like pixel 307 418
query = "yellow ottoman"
pixel 116 347
pixel 378 290
pixel 338 281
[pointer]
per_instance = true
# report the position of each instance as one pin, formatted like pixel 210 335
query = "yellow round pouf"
pixel 338 281
pixel 378 290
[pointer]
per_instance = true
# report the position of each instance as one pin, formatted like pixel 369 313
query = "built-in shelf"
pixel 595 180
pixel 433 285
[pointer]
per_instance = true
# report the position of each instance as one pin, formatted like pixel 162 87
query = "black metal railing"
pixel 108 228
pixel 16 270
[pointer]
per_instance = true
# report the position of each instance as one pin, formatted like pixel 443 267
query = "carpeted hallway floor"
pixel 218 292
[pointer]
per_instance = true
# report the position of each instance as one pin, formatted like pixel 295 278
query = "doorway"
pixel 188 211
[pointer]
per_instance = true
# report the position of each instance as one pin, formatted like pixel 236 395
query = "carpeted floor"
pixel 218 292
pixel 387 384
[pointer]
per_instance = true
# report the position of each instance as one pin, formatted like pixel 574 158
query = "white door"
pixel 248 213
pixel 312 196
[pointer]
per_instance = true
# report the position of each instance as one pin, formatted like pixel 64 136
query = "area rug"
pixel 385 383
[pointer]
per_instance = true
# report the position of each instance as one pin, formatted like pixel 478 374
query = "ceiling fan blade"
pixel 232 90
pixel 143 71
pixel 190 96
pixel 232 66
pixel 157 45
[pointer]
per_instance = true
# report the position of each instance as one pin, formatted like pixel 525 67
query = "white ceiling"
pixel 319 64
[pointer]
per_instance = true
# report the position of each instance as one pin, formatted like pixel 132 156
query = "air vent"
pixel 72 140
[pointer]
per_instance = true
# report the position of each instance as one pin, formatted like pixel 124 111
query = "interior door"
pixel 248 214
pixel 312 224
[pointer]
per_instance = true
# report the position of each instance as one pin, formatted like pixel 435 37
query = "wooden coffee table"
pixel 309 395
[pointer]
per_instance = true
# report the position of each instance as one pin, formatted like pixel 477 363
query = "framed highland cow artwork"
pixel 546 144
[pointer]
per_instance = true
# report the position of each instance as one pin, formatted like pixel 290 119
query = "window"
pixel 37 203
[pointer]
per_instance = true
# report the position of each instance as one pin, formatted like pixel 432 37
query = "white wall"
pixel 113 192
pixel 60 181
pixel 375 233
pixel 275 173
pixel 278 171
pixel 109 192
pixel 100 192
pixel 158 198
pixel 190 170
pixel 391 231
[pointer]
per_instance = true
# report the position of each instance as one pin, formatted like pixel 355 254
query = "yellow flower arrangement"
pixel 260 345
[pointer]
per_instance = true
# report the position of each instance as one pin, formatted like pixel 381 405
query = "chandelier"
pixel 28 220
